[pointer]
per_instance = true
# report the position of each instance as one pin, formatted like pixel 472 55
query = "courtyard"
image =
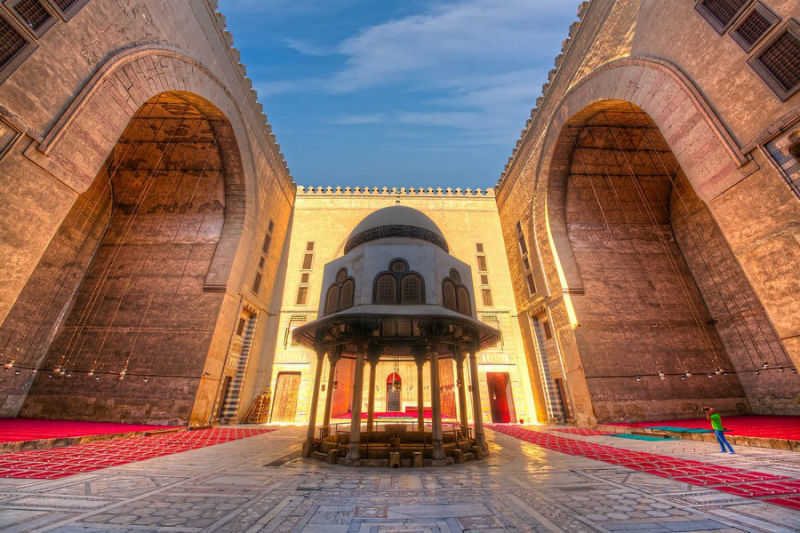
pixel 261 483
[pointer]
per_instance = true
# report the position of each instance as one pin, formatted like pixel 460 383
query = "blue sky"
pixel 398 93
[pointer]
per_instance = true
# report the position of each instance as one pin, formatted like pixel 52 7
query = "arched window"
pixel 386 289
pixel 462 297
pixel 346 294
pixel 455 276
pixel 332 299
pixel 341 293
pixel 399 285
pixel 411 289
pixel 455 294
pixel 398 266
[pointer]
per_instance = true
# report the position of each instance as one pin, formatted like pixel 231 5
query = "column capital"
pixel 420 353
pixel 374 352
pixel 458 354
pixel 320 353
pixel 334 355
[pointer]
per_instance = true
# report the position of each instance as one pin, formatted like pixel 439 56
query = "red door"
pixel 500 396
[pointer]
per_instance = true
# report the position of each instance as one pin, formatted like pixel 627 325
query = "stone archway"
pixel 151 239
pixel 640 122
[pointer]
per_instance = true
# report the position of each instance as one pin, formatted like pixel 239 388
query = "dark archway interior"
pixel 663 292
pixel 122 288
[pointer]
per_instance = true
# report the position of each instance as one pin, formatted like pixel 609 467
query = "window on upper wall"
pixel 531 284
pixel 347 294
pixel 68 8
pixel 754 26
pixel 32 14
pixel 399 285
pixel 332 299
pixel 340 293
pixel 386 289
pixel 526 264
pixel 302 295
pixel 482 263
pixel 257 283
pixel 455 295
pixel 307 261
pixel 449 295
pixel 294 322
pixel 720 13
pixel 240 326
pixel 548 333
pixel 463 301
pixel 479 247
pixel 411 289
pixel 778 61
pixel 494 322
pixel 484 279
pixel 14 48
pixel 486 295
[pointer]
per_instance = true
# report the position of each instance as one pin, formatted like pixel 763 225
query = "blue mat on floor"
pixel 679 429
pixel 638 437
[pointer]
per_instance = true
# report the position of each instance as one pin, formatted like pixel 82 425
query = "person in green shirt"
pixel 716 424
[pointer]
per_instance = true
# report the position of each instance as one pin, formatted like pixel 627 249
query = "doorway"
pixel 394 386
pixel 284 406
pixel 500 398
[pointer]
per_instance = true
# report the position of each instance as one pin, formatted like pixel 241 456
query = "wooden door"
pixel 284 406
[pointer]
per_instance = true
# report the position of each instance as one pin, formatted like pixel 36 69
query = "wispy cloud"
pixel 309 49
pixel 455 38
pixel 359 120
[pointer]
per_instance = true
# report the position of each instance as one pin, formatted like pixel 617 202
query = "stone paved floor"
pixel 260 484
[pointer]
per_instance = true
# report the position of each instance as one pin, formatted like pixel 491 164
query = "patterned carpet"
pixel 61 462
pixel 24 429
pixel 581 431
pixel 767 487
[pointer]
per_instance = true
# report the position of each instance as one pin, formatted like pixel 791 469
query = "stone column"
pixel 476 399
pixel 436 407
pixel 333 359
pixel 312 418
pixel 462 388
pixel 355 408
pixel 419 357
pixel 373 356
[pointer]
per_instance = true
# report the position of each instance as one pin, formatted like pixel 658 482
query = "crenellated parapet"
pixel 252 97
pixel 565 46
pixel 395 191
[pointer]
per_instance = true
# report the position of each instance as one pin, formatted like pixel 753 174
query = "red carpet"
pixel 781 490
pixel 60 462
pixel 773 427
pixel 22 429
pixel 581 431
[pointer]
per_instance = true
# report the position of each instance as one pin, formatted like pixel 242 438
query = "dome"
pixel 396 221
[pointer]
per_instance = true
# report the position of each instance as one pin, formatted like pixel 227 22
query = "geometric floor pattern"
pixel 780 490
pixel 56 463
pixel 262 484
